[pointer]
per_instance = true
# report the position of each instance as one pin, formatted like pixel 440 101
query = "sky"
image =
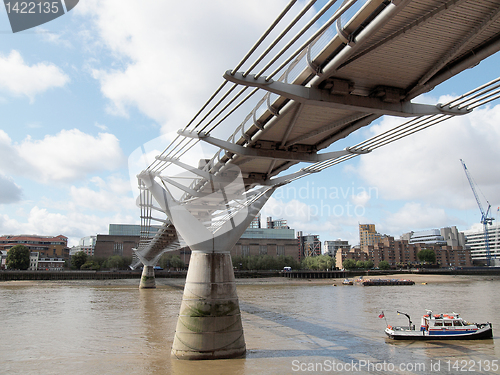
pixel 80 95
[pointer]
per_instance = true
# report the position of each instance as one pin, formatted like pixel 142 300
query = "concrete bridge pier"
pixel 209 324
pixel 147 278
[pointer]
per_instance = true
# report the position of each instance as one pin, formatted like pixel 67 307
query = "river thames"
pixel 112 327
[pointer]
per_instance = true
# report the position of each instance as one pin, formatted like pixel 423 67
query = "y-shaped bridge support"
pixel 209 324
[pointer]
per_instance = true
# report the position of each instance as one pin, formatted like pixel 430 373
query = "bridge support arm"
pixel 268 154
pixel 321 97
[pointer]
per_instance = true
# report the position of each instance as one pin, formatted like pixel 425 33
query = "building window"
pixel 118 249
pixel 245 250
pixel 280 250
pixel 263 250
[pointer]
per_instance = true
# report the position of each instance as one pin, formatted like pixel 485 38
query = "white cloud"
pixel 19 78
pixel 9 191
pixel 171 55
pixel 293 211
pixel 72 224
pixel 66 156
pixel 52 38
pixel 361 199
pixel 331 222
pixel 101 126
pixel 414 216
pixel 426 166
pixel 113 195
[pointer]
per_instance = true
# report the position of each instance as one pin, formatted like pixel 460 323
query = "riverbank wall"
pixel 9 275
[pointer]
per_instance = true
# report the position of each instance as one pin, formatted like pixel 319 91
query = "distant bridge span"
pixel 314 77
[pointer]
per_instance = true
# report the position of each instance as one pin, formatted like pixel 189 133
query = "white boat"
pixel 441 327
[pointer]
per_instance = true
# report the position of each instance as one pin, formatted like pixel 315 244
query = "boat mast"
pixel 408 316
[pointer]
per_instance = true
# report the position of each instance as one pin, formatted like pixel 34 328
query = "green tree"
pixel 384 265
pixel 90 265
pixel 325 262
pixel 310 263
pixel 252 262
pixel 115 261
pixel 349 264
pixel 360 264
pixel 18 258
pixel 369 264
pixel 427 256
pixel 164 261
pixel 176 262
pixel 78 260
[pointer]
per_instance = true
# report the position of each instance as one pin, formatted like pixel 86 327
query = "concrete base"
pixel 209 324
pixel 147 278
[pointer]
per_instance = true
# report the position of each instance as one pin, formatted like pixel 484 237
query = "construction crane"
pixel 485 220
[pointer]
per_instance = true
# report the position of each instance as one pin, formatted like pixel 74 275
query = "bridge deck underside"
pixel 438 35
pixel 418 45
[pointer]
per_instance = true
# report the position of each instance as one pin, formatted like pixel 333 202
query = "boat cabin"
pixel 440 322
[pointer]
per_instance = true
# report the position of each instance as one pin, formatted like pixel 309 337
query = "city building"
pixel 45 264
pixel 344 253
pixel 401 253
pixel 446 244
pixel 109 245
pixel 453 237
pixel 309 245
pixel 47 246
pixel 449 236
pixel 280 240
pixel 3 259
pixel 276 224
pixel 368 236
pixel 122 238
pixel 128 230
pixel 86 244
pixel 476 243
pixel 331 247
pixel 255 223
pixel 264 241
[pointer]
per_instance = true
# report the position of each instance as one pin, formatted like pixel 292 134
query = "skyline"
pixel 82 93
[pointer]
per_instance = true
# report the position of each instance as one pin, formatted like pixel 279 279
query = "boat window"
pixel 457 323
pixel 438 324
pixel 447 324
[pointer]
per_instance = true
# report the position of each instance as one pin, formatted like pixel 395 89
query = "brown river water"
pixel 291 327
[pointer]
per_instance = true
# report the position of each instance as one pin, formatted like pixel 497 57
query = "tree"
pixel 325 262
pixel 349 264
pixel 176 262
pixel 369 264
pixel 310 263
pixel 115 261
pixel 18 258
pixel 384 265
pixel 360 264
pixel 90 265
pixel 78 260
pixel 427 256
pixel 264 262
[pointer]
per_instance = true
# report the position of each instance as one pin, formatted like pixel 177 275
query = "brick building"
pixel 46 246
pixel 108 245
pixel 402 254
pixel 355 253
pixel 263 241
